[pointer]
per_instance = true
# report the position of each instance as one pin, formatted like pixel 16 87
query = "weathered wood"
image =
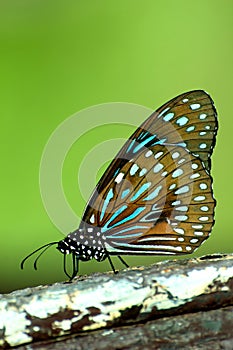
pixel 133 296
pixel 209 330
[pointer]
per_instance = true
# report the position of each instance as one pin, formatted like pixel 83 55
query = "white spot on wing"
pixel 195 176
pixel 197 226
pixel 199 198
pixel 148 153
pixel 204 208
pixel 193 240
pixel 92 219
pixel 168 117
pixel 182 208
pixel 176 203
pixel 163 112
pixel 190 128
pixel 119 177
pixel 159 154
pixel 177 172
pixel 198 233
pixel 203 218
pixel 182 160
pixel 203 186
pixel 172 186
pixel 143 172
pixel 183 189
pixel 182 121
pixel 203 145
pixel 175 155
pixel 202 116
pixel 179 230
pixel 181 217
pixel 158 167
pixel 195 106
pixel 194 166
pixel 134 168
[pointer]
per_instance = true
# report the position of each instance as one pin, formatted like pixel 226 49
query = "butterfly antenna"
pixel 35 262
pixel 46 246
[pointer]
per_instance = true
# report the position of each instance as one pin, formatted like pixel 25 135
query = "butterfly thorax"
pixel 84 245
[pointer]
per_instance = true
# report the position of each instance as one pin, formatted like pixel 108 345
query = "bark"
pixel 169 305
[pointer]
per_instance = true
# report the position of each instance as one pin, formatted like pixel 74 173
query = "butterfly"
pixel 156 196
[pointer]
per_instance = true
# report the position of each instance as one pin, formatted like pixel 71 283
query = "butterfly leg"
pixel 75 266
pixel 112 266
pixel 123 261
pixel 64 267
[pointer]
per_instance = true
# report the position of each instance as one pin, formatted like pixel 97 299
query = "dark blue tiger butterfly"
pixel 156 195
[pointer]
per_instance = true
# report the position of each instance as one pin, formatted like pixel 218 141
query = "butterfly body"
pixel 156 196
pixel 85 245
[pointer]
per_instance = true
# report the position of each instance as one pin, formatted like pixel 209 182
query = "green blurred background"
pixel 58 57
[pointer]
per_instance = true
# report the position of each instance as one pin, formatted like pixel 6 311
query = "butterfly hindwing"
pixel 166 212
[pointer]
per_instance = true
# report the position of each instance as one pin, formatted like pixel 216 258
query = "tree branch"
pixel 132 297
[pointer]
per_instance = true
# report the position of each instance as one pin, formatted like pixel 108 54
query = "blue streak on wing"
pixel 159 142
pixel 153 194
pixel 132 235
pixel 143 143
pixel 116 172
pixel 125 193
pixel 118 212
pixel 131 228
pixel 182 144
pixel 142 189
pixel 130 146
pixel 142 135
pixel 109 196
pixel 123 221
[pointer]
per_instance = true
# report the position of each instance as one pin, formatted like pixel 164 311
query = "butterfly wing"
pixel 156 195
pixel 170 209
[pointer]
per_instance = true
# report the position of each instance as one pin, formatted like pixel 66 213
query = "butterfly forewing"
pixel 156 195
pixel 190 119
